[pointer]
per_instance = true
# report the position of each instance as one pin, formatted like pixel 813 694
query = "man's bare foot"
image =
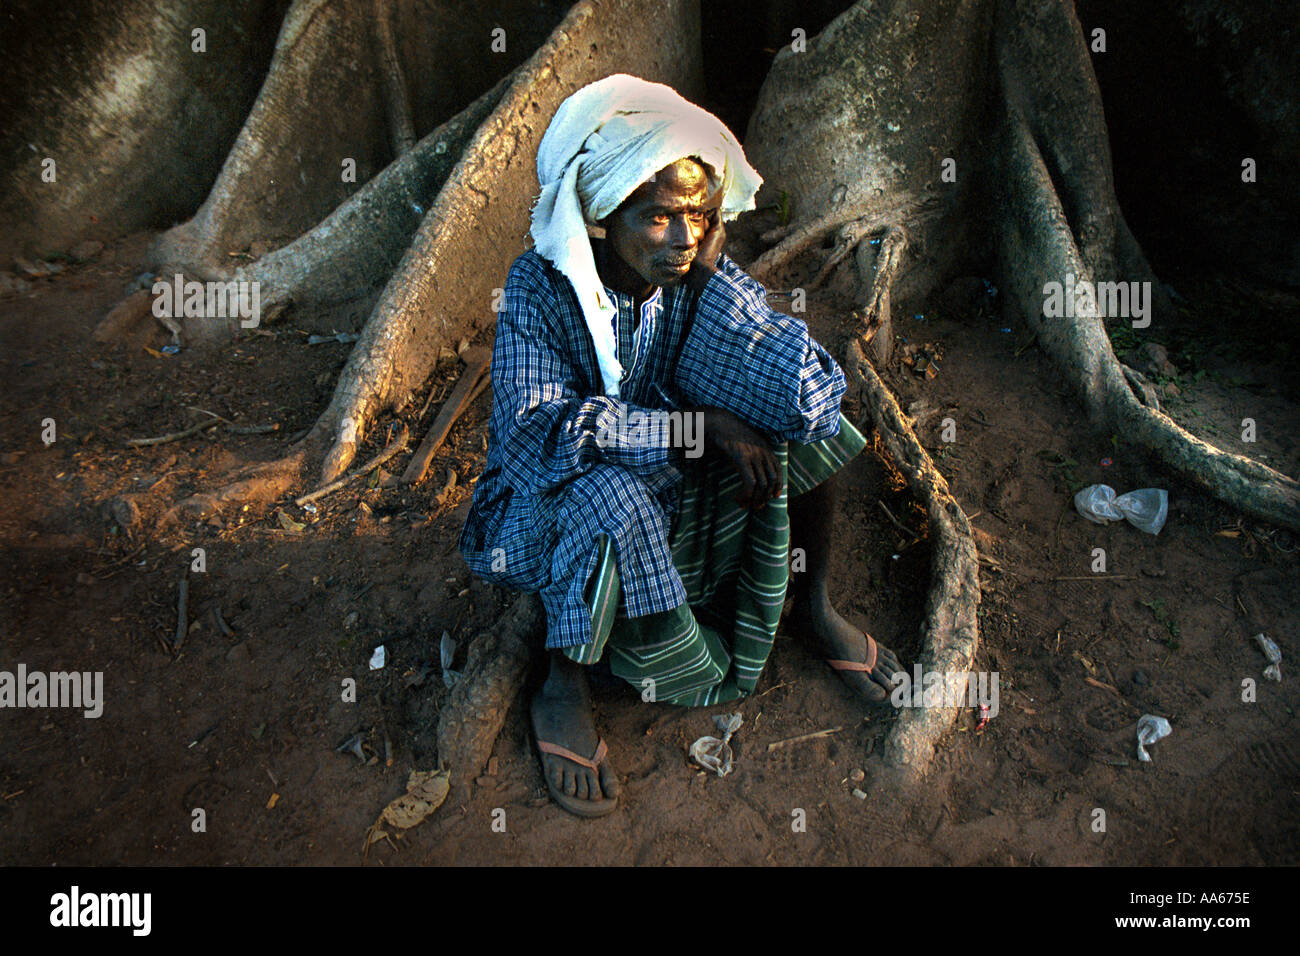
pixel 561 712
pixel 840 640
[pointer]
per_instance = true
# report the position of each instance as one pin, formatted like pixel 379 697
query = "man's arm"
pixel 549 432
pixel 757 362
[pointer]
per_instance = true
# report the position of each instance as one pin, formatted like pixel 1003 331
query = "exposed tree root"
pixel 276 183
pixel 950 630
pixel 352 253
pixel 1038 247
pixel 497 666
pixel 322 123
pixel 880 268
pixel 400 123
pixel 854 223
pixel 254 485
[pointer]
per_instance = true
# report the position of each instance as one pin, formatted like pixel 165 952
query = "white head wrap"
pixel 604 141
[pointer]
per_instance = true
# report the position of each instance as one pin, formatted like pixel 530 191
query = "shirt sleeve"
pixel 549 432
pixel 758 363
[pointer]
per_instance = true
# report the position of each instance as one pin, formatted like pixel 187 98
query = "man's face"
pixel 657 230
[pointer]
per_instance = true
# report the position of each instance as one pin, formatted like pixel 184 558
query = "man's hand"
pixel 710 248
pixel 750 453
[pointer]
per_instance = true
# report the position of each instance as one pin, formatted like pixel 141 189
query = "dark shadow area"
pixel 1179 132
pixel 740 39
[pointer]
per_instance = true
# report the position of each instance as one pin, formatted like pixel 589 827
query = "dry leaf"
pixel 425 792
pixel 288 524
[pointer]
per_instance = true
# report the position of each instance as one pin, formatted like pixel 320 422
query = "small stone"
pixel 238 654
pixel 860 794
pixel 351 620
pixel 492 767
pixel 1140 678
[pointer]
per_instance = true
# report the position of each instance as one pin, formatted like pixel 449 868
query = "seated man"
pixel 671 565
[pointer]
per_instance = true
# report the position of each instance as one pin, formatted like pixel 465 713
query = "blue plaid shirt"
pixel 548 487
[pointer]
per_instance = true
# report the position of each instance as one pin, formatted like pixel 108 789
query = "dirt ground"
pixel 245 725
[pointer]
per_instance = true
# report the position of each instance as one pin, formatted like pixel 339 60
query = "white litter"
pixel 1145 509
pixel 377 658
pixel 1150 729
pixel 1274 654
pixel 712 753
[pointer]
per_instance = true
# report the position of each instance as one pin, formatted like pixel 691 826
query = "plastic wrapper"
pixel 1274 654
pixel 1150 729
pixel 1145 509
pixel 712 753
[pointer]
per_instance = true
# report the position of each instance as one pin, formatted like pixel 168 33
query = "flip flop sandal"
pixel 576 805
pixel 863 667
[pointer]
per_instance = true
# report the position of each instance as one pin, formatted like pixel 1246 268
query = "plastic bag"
pixel 1274 654
pixel 712 753
pixel 1145 509
pixel 1150 729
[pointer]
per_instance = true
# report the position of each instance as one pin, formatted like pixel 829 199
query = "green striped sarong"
pixel 734 564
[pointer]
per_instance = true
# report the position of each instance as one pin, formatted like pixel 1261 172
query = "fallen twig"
pixel 1096 577
pixel 897 524
pixel 202 426
pixel 442 393
pixel 477 362
pixel 182 614
pixel 777 745
pixel 174 436
pixel 222 626
pixel 1104 686
pixel 768 691
pixel 398 444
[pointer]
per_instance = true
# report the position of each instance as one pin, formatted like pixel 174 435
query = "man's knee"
pixel 615 494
